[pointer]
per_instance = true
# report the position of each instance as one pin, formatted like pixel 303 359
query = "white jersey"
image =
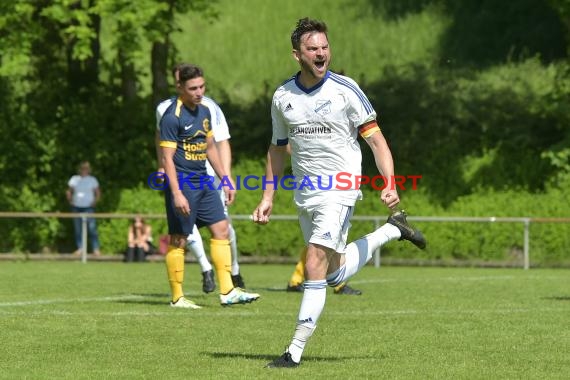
pixel 321 125
pixel 218 123
pixel 83 190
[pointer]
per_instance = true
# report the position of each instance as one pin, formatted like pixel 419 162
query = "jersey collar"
pixel 311 89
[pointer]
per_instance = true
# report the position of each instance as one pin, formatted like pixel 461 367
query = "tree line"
pixel 478 118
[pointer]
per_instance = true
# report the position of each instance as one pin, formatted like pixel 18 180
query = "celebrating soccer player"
pixel 320 115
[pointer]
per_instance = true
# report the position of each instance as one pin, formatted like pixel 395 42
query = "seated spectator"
pixel 140 241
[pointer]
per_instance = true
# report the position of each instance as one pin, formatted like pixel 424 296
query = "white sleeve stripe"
pixel 367 106
pixel 220 126
pixel 211 104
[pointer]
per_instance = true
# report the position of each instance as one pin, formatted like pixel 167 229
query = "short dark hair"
pixel 187 71
pixel 304 26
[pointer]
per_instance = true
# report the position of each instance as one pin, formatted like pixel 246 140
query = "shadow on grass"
pixel 143 302
pixel 308 358
pixel 155 295
pixel 144 299
pixel 278 290
pixel 557 298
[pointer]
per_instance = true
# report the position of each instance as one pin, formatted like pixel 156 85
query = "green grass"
pixel 111 320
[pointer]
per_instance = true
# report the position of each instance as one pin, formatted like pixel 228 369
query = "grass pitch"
pixel 112 321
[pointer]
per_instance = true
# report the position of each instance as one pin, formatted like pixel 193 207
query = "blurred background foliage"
pixel 472 95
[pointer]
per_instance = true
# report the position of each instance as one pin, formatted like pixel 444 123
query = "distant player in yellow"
pixel 298 277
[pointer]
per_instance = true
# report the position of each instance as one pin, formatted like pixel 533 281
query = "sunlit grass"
pixel 111 320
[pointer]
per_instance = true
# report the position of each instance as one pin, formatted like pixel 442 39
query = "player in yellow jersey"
pixel 186 141
pixel 220 129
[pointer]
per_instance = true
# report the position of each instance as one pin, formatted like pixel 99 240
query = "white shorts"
pixel 326 225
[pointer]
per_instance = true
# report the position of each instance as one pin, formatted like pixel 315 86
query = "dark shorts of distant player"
pixel 206 208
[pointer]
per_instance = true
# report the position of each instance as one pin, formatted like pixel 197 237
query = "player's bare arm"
pixel 385 165
pixel 158 151
pixel 276 156
pixel 225 153
pixel 180 202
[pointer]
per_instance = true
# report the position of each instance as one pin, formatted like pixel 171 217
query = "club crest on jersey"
pixel 323 107
pixel 206 124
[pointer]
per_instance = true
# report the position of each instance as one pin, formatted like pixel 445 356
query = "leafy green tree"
pixel 562 7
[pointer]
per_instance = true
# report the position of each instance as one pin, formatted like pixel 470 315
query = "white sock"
pixel 196 246
pixel 359 252
pixel 312 306
pixel 233 247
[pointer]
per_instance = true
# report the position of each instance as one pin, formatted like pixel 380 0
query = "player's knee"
pixel 316 265
pixel 178 241
pixel 223 234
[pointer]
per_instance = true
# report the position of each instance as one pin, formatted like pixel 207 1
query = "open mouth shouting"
pixel 321 66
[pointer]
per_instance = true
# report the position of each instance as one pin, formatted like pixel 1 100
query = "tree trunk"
pixel 84 74
pixel 159 58
pixel 159 61
pixel 91 67
pixel 128 78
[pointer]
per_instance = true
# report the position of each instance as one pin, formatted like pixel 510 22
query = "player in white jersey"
pixel 221 136
pixel 320 115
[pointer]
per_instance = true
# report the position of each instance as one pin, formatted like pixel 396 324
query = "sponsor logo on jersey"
pixel 311 130
pixel 194 151
pixel 288 108
pixel 323 107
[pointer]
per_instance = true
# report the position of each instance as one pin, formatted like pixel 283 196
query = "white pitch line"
pixel 222 312
pixel 448 311
pixel 129 313
pixel 456 278
pixel 56 301
pixel 172 313
pixel 381 280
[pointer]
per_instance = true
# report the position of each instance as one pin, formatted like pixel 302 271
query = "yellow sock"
pixel 175 270
pixel 298 275
pixel 339 286
pixel 222 259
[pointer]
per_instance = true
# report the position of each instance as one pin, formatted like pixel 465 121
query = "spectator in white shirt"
pixel 83 193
